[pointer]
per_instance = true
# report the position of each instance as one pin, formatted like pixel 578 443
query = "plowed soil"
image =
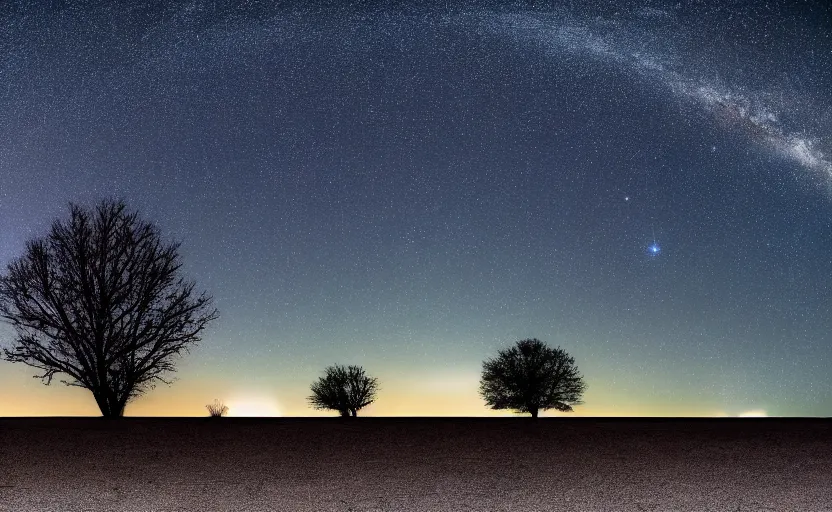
pixel 415 464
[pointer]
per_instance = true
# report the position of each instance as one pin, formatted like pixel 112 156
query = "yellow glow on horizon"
pixel 446 394
pixel 756 413
pixel 399 402
pixel 251 407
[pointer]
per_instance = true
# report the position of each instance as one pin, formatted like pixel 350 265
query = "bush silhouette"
pixel 217 409
pixel 343 389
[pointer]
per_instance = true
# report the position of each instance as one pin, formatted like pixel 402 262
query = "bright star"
pixel 654 249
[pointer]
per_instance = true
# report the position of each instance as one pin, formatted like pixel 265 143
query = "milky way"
pixel 646 45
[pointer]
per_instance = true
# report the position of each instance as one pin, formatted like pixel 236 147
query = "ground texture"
pixel 410 464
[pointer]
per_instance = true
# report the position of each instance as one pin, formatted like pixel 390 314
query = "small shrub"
pixel 217 409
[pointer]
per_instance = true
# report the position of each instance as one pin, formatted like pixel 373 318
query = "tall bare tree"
pixel 344 389
pixel 101 300
pixel 530 377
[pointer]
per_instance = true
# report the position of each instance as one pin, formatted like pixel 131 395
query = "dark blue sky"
pixel 414 188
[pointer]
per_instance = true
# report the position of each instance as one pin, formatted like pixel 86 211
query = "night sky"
pixel 411 189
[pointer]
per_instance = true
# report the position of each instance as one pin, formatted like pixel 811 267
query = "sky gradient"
pixel 411 189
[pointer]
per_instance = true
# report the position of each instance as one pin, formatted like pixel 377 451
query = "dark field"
pixel 387 464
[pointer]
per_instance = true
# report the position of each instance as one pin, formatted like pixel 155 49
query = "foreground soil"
pixel 424 464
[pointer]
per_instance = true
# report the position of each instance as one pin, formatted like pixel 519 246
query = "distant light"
pixel 654 249
pixel 757 413
pixel 253 407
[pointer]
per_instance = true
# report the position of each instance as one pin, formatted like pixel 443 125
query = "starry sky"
pixel 414 186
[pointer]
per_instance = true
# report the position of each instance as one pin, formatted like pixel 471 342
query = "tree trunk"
pixel 117 403
pixel 533 410
pixel 101 401
pixel 110 406
pixel 119 406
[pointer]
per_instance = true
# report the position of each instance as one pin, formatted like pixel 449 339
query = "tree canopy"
pixel 344 389
pixel 101 300
pixel 530 377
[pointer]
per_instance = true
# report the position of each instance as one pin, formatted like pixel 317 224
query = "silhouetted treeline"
pixel 101 300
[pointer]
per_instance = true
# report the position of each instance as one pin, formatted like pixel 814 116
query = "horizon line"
pixel 490 418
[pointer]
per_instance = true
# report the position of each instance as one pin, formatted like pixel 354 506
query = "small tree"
pixel 100 299
pixel 344 389
pixel 530 377
pixel 217 409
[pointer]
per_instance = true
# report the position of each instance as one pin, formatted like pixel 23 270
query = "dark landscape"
pixel 397 464
pixel 307 219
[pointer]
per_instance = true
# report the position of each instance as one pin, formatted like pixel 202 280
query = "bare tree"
pixel 100 299
pixel 530 377
pixel 344 389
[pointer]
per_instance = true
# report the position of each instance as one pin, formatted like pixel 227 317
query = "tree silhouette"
pixel 343 389
pixel 530 377
pixel 100 299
